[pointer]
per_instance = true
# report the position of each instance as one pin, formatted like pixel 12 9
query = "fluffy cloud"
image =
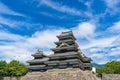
pixel 18 47
pixel 10 37
pixel 101 46
pixel 85 29
pixel 13 46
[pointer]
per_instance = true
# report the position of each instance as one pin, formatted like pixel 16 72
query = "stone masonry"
pixel 57 74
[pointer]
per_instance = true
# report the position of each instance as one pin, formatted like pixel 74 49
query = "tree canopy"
pixel 3 66
pixel 112 67
pixel 14 68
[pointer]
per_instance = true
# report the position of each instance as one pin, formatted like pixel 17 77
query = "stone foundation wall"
pixel 63 74
pixel 111 77
pixel 69 74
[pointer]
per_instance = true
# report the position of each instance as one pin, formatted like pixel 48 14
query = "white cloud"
pixel 95 50
pixel 118 59
pixel 10 23
pixel 10 52
pixel 85 29
pixel 21 47
pixel 11 37
pixel 88 30
pixel 13 46
pixel 53 15
pixel 43 39
pixel 60 7
pixel 13 23
pixel 111 3
pixel 117 41
pixel 103 42
pixel 5 10
pixel 112 6
pixel 115 51
pixel 99 54
pixel 115 28
pixel 99 58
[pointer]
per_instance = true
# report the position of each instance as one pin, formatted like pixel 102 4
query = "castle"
pixel 66 55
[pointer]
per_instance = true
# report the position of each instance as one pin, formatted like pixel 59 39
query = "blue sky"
pixel 28 25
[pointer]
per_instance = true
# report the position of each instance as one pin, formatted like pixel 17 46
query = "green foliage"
pixel 99 72
pixel 3 66
pixel 14 68
pixel 112 67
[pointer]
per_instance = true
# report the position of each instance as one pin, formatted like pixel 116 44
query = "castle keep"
pixel 66 55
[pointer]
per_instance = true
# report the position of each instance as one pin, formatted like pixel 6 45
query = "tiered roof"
pixel 66 41
pixel 68 33
pixel 66 54
pixel 38 54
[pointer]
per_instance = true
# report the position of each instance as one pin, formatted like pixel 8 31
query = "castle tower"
pixel 66 52
pixel 37 64
pixel 66 55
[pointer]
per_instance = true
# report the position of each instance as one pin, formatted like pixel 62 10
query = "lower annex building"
pixel 66 55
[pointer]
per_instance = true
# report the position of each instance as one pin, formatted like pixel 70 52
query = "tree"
pixel 112 67
pixel 14 68
pixel 3 65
